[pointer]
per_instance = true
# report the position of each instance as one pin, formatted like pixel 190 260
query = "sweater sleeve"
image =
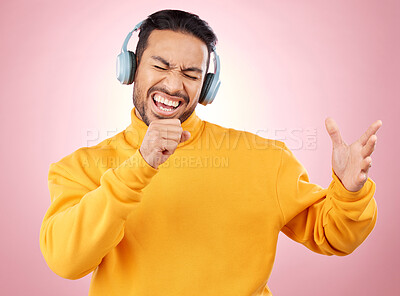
pixel 332 221
pixel 81 226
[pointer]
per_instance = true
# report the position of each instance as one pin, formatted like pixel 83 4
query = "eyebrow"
pixel 190 69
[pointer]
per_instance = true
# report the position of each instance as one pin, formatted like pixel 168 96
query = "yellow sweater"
pixel 206 222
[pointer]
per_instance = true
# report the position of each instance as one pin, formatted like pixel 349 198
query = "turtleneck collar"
pixel 135 132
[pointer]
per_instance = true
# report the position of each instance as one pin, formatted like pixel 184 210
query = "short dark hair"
pixel 178 21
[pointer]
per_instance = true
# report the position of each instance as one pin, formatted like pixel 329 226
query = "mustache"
pixel 164 90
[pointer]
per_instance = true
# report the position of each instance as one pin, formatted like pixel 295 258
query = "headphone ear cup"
pixel 126 67
pixel 206 87
pixel 133 67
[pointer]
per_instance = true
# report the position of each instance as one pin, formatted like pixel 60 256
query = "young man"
pixel 174 205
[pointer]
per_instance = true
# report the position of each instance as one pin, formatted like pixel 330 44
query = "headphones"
pixel 126 67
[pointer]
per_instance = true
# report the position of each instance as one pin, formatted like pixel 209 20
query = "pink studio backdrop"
pixel 286 66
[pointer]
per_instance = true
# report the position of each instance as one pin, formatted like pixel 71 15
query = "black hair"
pixel 178 21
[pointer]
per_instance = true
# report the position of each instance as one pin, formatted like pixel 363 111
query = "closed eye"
pixel 191 77
pixel 160 68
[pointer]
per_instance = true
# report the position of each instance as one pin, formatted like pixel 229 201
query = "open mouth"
pixel 165 106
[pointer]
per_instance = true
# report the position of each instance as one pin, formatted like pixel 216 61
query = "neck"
pixel 138 114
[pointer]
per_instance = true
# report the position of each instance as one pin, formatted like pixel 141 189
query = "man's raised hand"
pixel 351 163
pixel 161 139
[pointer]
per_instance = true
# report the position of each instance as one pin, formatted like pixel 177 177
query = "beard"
pixel 140 101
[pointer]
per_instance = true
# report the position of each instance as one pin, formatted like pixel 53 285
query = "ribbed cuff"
pixel 341 193
pixel 135 172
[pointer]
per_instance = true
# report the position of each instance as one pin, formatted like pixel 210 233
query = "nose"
pixel 173 82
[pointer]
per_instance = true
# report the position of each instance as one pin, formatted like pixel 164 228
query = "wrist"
pixel 148 159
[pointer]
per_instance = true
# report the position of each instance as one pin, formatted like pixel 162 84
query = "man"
pixel 174 205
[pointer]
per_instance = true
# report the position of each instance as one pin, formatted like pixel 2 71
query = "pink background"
pixel 286 66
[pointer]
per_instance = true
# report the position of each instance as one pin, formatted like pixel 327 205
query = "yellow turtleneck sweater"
pixel 206 222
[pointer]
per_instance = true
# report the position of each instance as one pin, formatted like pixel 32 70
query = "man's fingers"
pixel 171 124
pixel 362 177
pixel 168 147
pixel 373 128
pixel 333 131
pixel 160 130
pixel 174 135
pixel 161 140
pixel 173 121
pixel 369 146
pixel 366 164
pixel 185 136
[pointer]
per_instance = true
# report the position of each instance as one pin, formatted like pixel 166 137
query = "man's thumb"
pixel 333 131
pixel 185 136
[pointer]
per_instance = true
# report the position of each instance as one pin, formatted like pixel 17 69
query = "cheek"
pixel 146 79
pixel 194 91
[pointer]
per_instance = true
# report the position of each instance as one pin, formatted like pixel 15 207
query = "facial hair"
pixel 140 103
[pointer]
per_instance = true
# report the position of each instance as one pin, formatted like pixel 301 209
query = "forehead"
pixel 177 48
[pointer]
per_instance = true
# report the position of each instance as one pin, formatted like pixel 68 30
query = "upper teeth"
pixel 165 101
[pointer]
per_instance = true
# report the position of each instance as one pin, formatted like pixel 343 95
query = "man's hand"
pixel 351 163
pixel 161 139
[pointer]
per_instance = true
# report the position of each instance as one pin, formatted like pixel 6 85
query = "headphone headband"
pixel 125 45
